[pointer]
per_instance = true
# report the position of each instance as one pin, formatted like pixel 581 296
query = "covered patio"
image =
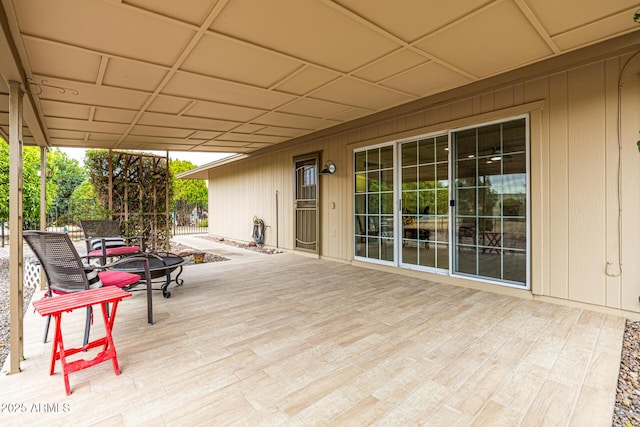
pixel 319 339
pixel 289 339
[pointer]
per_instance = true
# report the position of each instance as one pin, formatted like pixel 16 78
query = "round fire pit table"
pixel 161 264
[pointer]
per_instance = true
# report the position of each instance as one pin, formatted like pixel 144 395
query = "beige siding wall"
pixel 575 235
pixel 243 189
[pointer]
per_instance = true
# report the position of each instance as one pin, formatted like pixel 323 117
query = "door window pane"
pixel 360 205
pixel 386 157
pixel 426 151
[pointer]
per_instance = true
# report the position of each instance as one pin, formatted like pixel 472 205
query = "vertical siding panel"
pixel 332 236
pixel 476 105
pixel 462 108
pixel 386 128
pixel 538 205
pixel 630 186
pixel 518 94
pixel 586 184
pixel 400 124
pixel 535 90
pixel 503 98
pixel 290 192
pixel 613 279
pixel 445 113
pixel 558 190
pixel 286 199
pixel 415 121
pixel 539 191
pixel 432 116
pixel 487 102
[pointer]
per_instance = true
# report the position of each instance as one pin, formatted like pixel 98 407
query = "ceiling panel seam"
pixel 537 25
pixel 630 12
pixel 267 50
pixel 104 62
pixel 392 37
pixel 304 62
pixel 172 70
pixel 183 56
pixel 84 49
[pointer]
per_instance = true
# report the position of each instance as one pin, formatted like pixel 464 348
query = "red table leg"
pixel 56 306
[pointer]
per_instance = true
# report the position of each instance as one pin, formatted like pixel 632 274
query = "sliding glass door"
pixel 453 203
pixel 490 178
pixel 424 190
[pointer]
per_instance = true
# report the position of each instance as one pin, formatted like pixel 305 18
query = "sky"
pixel 197 159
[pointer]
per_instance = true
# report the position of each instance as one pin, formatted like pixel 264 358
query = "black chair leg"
pixel 87 327
pixel 46 329
pixel 48 321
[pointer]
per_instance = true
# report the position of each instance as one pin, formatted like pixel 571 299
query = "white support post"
pixel 15 223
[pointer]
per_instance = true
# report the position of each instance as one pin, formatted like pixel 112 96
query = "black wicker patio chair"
pixel 104 240
pixel 66 272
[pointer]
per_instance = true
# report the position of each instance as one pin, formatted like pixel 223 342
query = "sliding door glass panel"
pixel 490 175
pixel 425 194
pixel 373 204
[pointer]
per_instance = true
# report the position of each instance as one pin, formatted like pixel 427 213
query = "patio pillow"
pixel 109 242
pixel 92 277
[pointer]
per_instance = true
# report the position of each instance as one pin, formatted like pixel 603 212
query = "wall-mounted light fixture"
pixel 328 169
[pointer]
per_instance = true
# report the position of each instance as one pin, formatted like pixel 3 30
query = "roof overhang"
pixel 202 172
pixel 243 76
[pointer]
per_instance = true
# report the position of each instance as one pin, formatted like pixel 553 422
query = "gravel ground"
pixel 626 412
pixel 27 293
pixel 251 246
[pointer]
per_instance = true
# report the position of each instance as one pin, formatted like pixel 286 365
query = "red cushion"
pixel 118 278
pixel 122 250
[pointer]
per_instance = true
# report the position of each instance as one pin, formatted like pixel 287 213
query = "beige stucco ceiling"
pixel 241 75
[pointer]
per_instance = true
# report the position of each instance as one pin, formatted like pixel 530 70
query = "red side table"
pixel 65 303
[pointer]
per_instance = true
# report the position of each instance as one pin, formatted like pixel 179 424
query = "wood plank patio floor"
pixel 286 339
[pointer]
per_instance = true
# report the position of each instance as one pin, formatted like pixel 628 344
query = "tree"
pixel 66 173
pixel 84 203
pixel 30 179
pixel 135 187
pixel 187 189
pixel 84 191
